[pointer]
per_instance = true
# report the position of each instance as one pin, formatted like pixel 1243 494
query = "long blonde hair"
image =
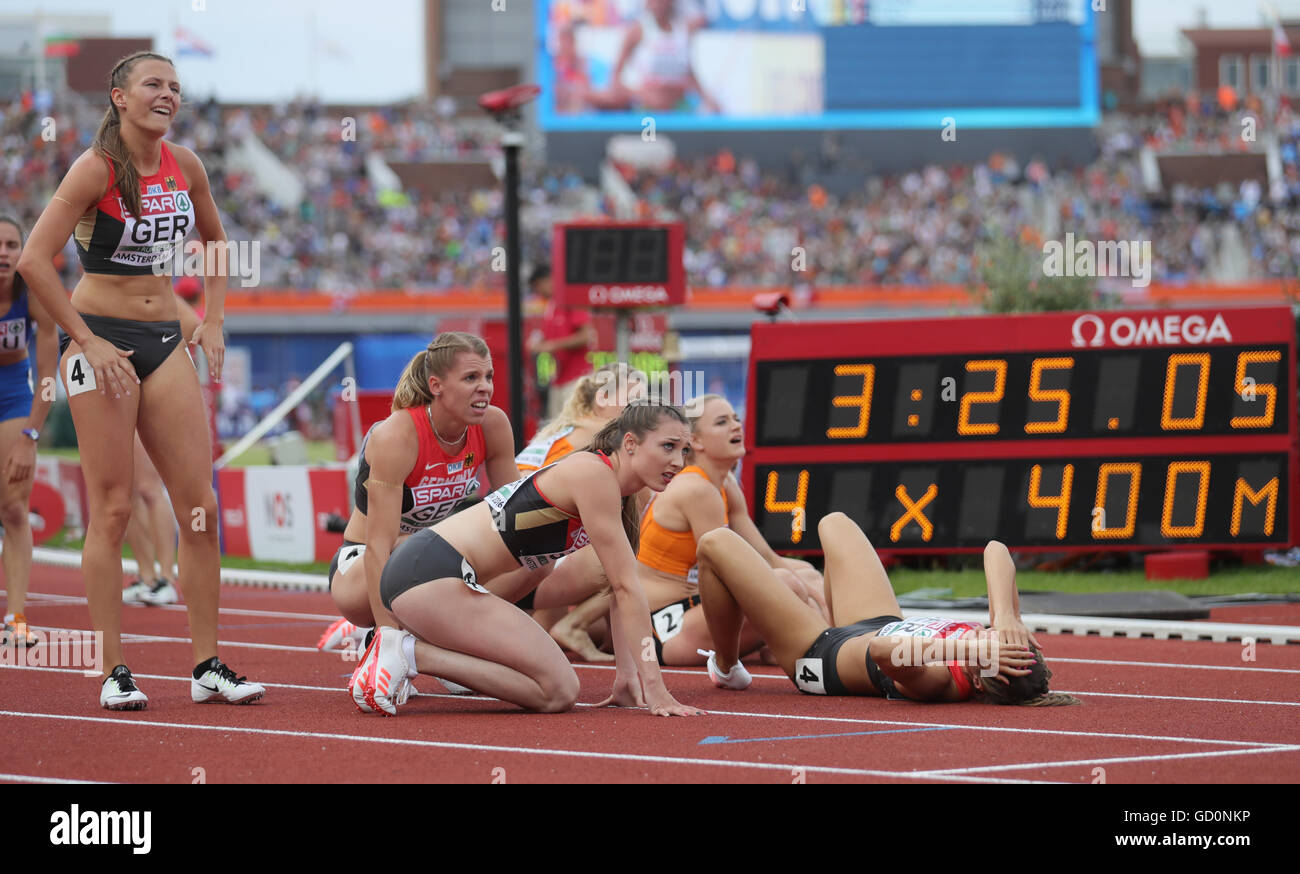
pixel 434 360
pixel 108 139
pixel 581 403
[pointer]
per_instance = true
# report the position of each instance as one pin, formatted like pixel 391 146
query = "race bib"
pixel 668 621
pixel 13 335
pixel 471 579
pixel 349 556
pixel 78 375
pixel 809 676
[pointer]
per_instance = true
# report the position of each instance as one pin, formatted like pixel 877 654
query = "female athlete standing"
pixel 869 649
pixel 22 415
pixel 442 431
pixel 432 581
pixel 131 199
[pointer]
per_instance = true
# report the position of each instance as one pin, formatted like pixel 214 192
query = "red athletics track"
pixel 1154 712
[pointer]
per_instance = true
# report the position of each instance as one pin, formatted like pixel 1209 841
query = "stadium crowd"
pixel 348 234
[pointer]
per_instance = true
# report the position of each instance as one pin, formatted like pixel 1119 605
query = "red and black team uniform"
pixel 111 241
pixel 536 532
pixel 436 484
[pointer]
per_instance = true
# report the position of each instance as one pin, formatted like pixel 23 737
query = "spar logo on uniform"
pixel 439 492
pixel 1169 330
pixel 633 295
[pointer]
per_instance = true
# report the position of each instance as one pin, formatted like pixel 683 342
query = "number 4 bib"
pixel 78 376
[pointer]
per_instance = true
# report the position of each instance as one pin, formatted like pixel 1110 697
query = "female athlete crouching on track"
pixel 432 582
pixel 595 400
pixel 130 200
pixel 415 467
pixel 871 650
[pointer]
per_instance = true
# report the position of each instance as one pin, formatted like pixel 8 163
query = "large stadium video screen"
pixel 809 64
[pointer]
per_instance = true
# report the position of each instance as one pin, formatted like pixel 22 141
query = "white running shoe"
pixel 133 593
pixel 360 677
pixel 162 592
pixel 388 683
pixel 213 681
pixel 119 691
pixel 737 678
pixel 338 635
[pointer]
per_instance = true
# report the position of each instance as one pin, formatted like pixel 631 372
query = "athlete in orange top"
pixel 691 506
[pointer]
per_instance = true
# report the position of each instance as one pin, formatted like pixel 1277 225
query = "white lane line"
pixel 789 716
pixel 495 748
pixel 1178 665
pixel 28 778
pixel 1179 698
pixel 71 600
pixel 1023 766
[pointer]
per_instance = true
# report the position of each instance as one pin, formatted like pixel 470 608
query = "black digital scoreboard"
pixel 1135 430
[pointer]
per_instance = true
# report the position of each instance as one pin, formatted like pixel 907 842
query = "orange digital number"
pixel 1045 502
pixel 1267 389
pixel 1202 470
pixel 998 367
pixel 1200 360
pixel 1060 396
pixel 796 508
pixel 1134 470
pixel 862 401
pixel 1243 490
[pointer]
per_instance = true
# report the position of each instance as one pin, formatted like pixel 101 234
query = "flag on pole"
pixel 189 44
pixel 1281 44
pixel 62 46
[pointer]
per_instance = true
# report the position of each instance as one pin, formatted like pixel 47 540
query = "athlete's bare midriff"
pixel 136 298
pixel 662 588
pixel 472 534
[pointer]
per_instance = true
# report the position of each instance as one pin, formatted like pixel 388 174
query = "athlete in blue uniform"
pixel 22 415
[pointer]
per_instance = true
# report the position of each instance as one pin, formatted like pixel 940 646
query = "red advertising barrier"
pixel 279 513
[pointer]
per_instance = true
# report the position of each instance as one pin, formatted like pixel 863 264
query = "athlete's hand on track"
pixel 21 462
pixel 626 693
pixel 209 337
pixel 664 704
pixel 113 373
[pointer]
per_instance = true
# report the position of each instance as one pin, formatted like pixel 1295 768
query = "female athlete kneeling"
pixel 433 581
pixel 415 467
pixel 871 649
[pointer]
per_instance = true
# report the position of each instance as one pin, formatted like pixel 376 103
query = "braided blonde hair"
pixel 434 360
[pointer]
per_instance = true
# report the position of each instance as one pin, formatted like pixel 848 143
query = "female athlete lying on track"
pixel 703 497
pixel 871 649
pixel 595 400
pixel 415 467
pixel 433 581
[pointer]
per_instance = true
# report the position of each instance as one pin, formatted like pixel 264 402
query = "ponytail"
pixel 434 360
pixel 108 139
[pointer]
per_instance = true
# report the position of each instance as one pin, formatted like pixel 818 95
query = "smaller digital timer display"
pixel 615 255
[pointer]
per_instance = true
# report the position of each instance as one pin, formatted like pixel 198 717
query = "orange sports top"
pixel 672 552
pixel 540 453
